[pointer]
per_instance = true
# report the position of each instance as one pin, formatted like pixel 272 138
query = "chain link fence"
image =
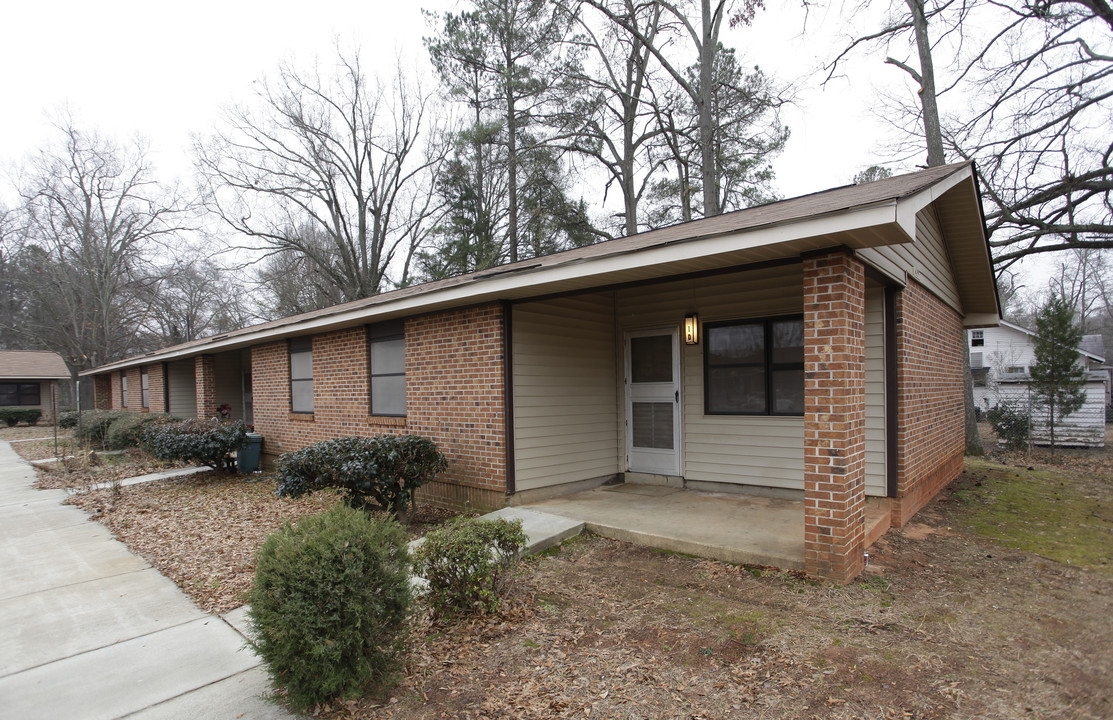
pixel 1012 417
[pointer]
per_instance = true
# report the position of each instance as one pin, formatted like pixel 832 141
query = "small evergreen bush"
pixel 208 442
pixel 12 416
pixel 1011 423
pixel 67 419
pixel 467 562
pixel 94 425
pixel 330 603
pixel 127 430
pixel 385 469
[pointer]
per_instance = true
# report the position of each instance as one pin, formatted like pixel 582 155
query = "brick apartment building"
pixel 811 348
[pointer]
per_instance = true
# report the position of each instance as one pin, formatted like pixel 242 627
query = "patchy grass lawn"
pixel 994 603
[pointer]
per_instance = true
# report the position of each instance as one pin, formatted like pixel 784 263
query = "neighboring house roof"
pixel 1092 346
pixel 32 365
pixel 855 216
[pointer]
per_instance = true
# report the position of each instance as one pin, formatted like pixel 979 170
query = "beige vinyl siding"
pixel 753 450
pixel 925 260
pixel 229 382
pixel 182 382
pixel 564 369
pixel 875 390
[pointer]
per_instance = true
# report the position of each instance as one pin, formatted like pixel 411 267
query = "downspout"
pixel 891 396
pixel 508 392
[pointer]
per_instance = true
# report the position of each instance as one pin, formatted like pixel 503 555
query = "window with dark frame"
pixel 301 375
pixel 386 352
pixel 754 367
pixel 145 385
pixel 123 388
pixel 20 394
pixel 977 338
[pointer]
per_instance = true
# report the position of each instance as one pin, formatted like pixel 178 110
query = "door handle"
pixel 677 396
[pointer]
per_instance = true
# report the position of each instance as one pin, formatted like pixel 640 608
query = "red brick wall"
pixel 834 415
pixel 930 412
pixel 454 396
pixel 117 394
pixel 205 375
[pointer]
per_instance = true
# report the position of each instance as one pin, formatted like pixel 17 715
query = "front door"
pixel 653 402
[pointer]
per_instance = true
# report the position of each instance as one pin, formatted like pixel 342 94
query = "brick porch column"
pixel 834 415
pixel 156 387
pixel 205 374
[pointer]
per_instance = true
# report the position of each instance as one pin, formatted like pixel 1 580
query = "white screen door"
pixel 653 402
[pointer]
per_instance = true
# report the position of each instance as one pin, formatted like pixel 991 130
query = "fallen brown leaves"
pixel 944 624
pixel 202 531
pixel 91 468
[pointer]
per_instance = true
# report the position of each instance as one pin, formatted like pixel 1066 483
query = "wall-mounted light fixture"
pixel 691 329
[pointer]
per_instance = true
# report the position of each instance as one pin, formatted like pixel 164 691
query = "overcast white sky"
pixel 163 71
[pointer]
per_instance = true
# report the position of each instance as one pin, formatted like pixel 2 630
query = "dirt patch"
pixel 24 432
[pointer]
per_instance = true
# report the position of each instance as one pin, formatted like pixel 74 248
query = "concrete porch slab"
pixel 736 528
pixel 543 530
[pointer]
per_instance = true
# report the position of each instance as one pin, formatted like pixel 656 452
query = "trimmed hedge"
pixel 467 562
pixel 330 605
pixel 12 416
pixel 128 429
pixel 385 469
pixel 208 442
pixel 68 419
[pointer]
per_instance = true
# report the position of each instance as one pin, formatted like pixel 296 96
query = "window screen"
pixel 123 388
pixel 301 375
pixel 387 362
pixel 146 386
pixel 754 367
pixel 19 394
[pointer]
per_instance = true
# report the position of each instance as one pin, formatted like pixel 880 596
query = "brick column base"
pixel 834 415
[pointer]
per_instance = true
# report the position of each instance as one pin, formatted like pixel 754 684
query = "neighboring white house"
pixel 1000 361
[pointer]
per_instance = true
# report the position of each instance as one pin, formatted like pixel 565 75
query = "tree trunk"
pixel 928 101
pixel 706 121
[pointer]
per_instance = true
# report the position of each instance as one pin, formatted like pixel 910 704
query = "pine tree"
pixel 1057 376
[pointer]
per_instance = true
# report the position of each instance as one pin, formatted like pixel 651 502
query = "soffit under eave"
pixel 960 218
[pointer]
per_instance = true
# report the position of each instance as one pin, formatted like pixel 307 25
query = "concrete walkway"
pixel 89 630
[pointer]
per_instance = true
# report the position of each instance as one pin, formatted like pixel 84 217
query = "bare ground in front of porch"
pixel 985 606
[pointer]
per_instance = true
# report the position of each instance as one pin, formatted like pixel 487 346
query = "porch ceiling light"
pixel 691 329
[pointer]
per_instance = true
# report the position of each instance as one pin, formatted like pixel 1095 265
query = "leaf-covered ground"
pixel 946 623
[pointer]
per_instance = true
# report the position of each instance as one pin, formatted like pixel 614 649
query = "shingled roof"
pixel 874 207
pixel 32 365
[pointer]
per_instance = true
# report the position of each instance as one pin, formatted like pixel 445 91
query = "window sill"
pixel 301 417
pixel 387 420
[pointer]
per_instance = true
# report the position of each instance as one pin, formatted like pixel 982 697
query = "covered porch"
pixel 737 528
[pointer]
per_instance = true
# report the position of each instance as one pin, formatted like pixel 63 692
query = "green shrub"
pixel 208 442
pixel 94 425
pixel 385 469
pixel 467 562
pixel 67 419
pixel 329 605
pixel 12 416
pixel 128 429
pixel 1011 423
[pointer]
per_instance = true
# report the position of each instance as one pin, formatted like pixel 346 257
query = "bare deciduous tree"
pixel 93 215
pixel 344 155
